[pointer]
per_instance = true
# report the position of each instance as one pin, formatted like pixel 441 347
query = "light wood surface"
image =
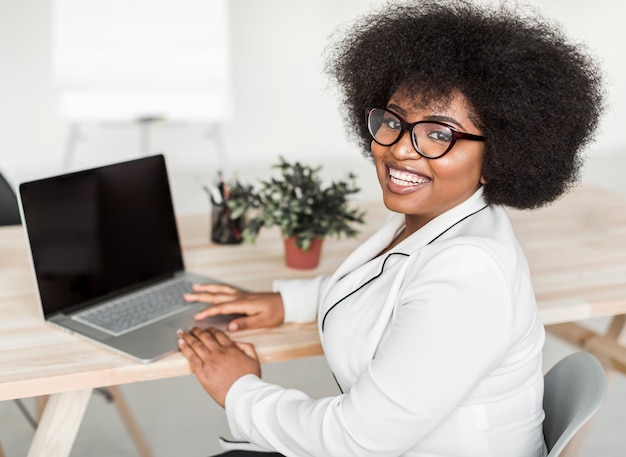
pixel 575 250
pixel 61 419
pixel 37 359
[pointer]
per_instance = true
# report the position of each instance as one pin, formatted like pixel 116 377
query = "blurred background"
pixel 264 65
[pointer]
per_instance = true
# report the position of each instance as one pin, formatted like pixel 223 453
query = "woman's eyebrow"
pixel 395 108
pixel 435 117
pixel 446 119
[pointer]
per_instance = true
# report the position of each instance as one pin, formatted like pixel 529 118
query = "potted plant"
pixel 305 210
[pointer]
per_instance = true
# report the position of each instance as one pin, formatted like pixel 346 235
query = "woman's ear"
pixel 483 180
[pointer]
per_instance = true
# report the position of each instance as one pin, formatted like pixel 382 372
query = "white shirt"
pixel 436 346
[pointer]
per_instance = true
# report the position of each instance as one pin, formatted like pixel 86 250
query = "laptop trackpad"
pixel 185 320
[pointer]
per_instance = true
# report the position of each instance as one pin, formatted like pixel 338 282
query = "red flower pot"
pixel 297 258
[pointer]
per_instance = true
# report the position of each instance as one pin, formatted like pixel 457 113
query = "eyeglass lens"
pixel 431 139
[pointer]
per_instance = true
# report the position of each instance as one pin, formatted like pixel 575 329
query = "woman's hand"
pixel 264 309
pixel 216 360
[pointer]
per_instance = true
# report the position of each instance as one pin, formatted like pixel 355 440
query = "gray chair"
pixel 9 211
pixel 575 389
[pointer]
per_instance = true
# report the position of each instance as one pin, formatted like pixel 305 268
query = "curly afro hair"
pixel 535 96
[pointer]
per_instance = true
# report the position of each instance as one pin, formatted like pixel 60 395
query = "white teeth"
pixel 407 177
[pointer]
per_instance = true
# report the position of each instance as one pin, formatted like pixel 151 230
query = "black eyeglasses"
pixel 431 139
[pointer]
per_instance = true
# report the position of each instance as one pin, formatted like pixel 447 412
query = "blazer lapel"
pixel 361 266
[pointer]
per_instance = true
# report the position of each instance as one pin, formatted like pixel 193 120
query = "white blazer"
pixel 435 346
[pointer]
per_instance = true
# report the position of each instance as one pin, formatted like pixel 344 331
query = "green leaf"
pixel 298 203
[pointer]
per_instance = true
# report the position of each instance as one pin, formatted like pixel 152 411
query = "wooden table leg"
pixel 610 348
pixel 59 424
pixel 127 417
pixel 124 411
pixel 40 406
pixel 617 329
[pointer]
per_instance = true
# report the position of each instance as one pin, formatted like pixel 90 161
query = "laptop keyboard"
pixel 136 310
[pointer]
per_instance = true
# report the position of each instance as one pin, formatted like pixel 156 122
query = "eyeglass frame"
pixel 409 127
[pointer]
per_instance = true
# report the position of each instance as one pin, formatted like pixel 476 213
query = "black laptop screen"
pixel 100 232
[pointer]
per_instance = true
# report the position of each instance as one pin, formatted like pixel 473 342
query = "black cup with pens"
pixel 224 230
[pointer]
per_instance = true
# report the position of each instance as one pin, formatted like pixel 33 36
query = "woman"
pixel 430 327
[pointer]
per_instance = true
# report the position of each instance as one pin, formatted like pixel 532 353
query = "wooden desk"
pixel 36 359
pixel 574 248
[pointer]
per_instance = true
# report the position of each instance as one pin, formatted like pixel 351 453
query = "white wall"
pixel 599 25
pixel 282 105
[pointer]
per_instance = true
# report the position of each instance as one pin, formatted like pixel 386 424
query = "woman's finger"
pixel 214 288
pixel 212 293
pixel 263 309
pixel 209 338
pixel 209 297
pixel 195 362
pixel 219 336
pixel 225 308
pixel 242 323
pixel 248 349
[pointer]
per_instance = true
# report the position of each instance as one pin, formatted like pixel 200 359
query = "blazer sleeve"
pixel 301 297
pixel 452 326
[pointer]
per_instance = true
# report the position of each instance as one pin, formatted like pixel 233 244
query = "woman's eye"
pixel 441 135
pixel 392 124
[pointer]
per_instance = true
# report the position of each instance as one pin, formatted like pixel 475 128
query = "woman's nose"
pixel 404 149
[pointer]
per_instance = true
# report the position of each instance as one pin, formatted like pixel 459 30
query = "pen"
pixel 214 194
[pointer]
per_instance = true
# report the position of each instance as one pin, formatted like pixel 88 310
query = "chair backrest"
pixel 574 390
pixel 9 210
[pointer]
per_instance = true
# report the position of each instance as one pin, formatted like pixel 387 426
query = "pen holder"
pixel 225 230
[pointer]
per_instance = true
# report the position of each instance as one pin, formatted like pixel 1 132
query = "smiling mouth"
pixel 404 179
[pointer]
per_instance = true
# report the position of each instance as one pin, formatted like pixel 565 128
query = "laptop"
pixel 105 248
